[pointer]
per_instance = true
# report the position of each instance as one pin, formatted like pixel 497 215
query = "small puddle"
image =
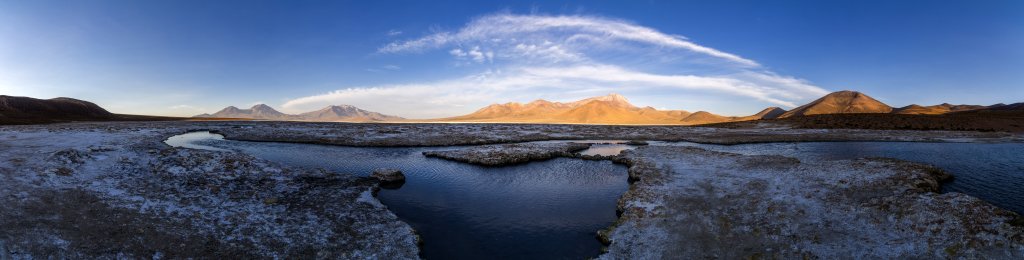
pixel 599 147
pixel 196 140
pixel 607 149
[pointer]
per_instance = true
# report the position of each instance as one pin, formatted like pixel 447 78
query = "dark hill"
pixel 26 110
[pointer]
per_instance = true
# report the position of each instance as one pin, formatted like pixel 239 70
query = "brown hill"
pixel 767 113
pixel 704 117
pixel 596 111
pixel 841 102
pixel 609 109
pixel 936 109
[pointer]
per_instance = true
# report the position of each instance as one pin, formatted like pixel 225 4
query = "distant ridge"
pixel 616 109
pixel 1015 107
pixel 704 117
pixel 259 111
pixel 335 113
pixel 609 109
pixel 943 108
pixel 767 113
pixel 346 113
pixel 840 102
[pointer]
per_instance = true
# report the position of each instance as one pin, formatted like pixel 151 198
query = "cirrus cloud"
pixel 498 28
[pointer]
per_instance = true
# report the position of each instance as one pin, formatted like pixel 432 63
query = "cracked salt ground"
pixel 993 172
pixel 694 203
pixel 84 192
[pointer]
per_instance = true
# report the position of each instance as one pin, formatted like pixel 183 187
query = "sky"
pixel 427 59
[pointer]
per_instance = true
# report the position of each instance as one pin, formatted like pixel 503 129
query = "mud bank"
pixel 508 154
pixel 691 203
pixel 116 191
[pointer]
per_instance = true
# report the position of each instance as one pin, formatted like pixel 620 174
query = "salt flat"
pixel 112 189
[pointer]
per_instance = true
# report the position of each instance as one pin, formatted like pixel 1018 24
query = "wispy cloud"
pixel 514 30
pixel 474 54
pixel 565 58
pixel 188 107
pixel 186 110
pixel 394 33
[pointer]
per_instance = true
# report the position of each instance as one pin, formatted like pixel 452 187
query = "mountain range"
pixel 609 109
pixel 616 109
pixel 851 107
pixel 937 109
pixel 341 113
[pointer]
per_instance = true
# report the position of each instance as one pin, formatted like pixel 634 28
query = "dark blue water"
pixel 991 172
pixel 547 210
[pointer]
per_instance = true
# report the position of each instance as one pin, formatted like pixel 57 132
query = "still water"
pixel 548 210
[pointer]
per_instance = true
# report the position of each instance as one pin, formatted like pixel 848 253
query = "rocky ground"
pixel 691 203
pixel 508 154
pixel 113 189
pixel 116 191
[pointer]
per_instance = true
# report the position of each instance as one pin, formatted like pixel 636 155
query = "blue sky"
pixel 422 59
